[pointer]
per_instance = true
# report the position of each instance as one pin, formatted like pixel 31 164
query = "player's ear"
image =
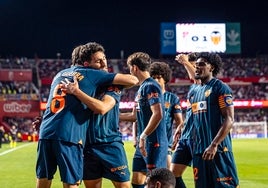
pixel 135 68
pixel 86 64
pixel 157 184
pixel 211 68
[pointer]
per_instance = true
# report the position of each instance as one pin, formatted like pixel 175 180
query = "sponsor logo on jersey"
pixel 199 106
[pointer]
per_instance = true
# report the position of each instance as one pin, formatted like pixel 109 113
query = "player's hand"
pixel 69 87
pixel 181 58
pixel 142 148
pixel 175 144
pixel 210 152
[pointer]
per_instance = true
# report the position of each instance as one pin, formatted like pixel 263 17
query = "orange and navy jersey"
pixel 188 122
pixel 65 117
pixel 105 128
pixel 150 93
pixel 172 106
pixel 207 103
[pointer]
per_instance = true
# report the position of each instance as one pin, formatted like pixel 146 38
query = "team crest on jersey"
pixel 207 93
pixel 167 104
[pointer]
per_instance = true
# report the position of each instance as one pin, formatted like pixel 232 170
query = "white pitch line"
pixel 13 149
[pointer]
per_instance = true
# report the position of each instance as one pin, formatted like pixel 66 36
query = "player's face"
pixel 159 79
pixel 203 69
pixel 98 61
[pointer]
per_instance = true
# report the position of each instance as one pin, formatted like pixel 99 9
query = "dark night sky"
pixel 45 27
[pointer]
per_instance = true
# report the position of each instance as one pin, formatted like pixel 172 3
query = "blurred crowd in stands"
pixel 45 69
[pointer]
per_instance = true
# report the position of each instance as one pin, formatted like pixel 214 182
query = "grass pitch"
pixel 17 165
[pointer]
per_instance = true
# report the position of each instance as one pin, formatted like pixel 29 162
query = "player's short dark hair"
pixel 84 52
pixel 141 59
pixel 89 49
pixel 161 69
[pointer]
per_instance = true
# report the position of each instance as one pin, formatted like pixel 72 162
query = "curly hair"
pixel 161 69
pixel 212 58
pixel 88 49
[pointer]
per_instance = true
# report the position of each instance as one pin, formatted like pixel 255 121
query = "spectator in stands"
pixel 13 136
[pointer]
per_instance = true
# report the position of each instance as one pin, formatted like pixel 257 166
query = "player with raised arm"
pixel 183 155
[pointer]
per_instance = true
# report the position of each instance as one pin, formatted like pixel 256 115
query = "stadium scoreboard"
pixel 200 37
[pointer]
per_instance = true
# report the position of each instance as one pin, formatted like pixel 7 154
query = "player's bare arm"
pixel 228 113
pixel 153 123
pixel 97 106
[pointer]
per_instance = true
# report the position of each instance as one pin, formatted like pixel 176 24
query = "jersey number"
pixel 58 100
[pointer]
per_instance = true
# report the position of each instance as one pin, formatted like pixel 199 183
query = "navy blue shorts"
pixel 68 157
pixel 183 153
pixel 220 172
pixel 156 158
pixel 106 160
